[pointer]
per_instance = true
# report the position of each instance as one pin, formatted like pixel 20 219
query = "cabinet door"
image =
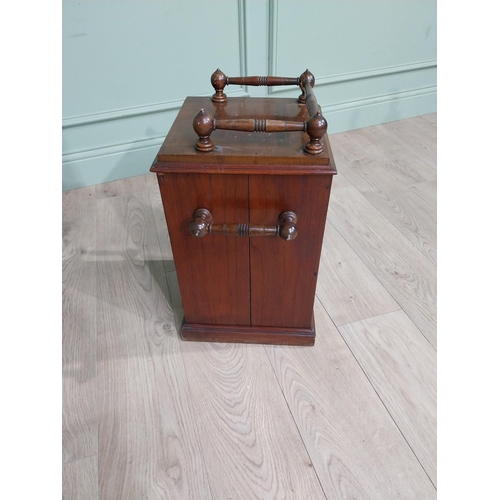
pixel 213 271
pixel 284 273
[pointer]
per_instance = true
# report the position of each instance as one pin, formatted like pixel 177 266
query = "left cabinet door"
pixel 213 271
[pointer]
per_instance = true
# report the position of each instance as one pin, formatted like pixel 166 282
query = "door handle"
pixel 202 224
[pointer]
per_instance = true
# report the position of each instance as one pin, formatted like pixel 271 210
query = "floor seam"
pixel 381 400
pixel 295 422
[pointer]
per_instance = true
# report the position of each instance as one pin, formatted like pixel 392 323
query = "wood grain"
pixel 346 287
pixel 284 273
pixel 355 447
pixel 391 155
pixel 397 202
pixel 79 479
pixel 79 302
pixel 149 443
pixel 429 119
pixel 251 446
pixel 226 278
pixel 427 191
pixel 120 187
pixel 420 141
pixel 249 334
pixel 232 147
pixel 407 275
pixel 426 131
pixel 401 365
pixel 214 289
pixel 175 299
pixel 194 420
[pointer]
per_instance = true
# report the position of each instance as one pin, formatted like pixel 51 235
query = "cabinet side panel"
pixel 284 273
pixel 213 271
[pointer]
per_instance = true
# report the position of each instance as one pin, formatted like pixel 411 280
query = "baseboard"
pixel 108 164
pixel 376 110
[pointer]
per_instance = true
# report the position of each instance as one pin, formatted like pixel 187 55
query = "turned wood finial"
pixel 287 226
pixel 316 128
pixel 219 81
pixel 200 225
pixel 307 76
pixel 203 124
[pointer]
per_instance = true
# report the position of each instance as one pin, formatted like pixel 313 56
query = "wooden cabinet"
pixel 246 223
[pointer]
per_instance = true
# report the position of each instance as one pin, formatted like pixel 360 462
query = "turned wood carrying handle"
pixel 219 80
pixel 316 126
pixel 202 224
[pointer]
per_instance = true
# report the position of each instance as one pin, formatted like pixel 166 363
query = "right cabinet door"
pixel 283 274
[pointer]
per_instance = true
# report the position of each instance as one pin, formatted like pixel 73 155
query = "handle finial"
pixel 316 128
pixel 307 76
pixel 203 125
pixel 219 81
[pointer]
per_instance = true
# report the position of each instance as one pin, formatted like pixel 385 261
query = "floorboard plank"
pixel 79 479
pixel 148 416
pixel 251 445
pixel 149 444
pixel 407 211
pixel 79 273
pixel 412 138
pixel 346 287
pixel 401 365
pixel 408 276
pixel 355 447
pixel 429 119
pixel 427 191
pixel 376 144
pixel 121 187
pixel 426 131
pixel 420 133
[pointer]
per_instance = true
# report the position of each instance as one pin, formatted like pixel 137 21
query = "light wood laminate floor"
pixel 147 416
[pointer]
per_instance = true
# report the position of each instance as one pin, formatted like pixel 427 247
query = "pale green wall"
pixel 128 65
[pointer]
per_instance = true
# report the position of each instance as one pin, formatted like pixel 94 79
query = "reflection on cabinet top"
pixel 243 152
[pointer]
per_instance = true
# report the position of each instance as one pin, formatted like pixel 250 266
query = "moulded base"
pixel 248 334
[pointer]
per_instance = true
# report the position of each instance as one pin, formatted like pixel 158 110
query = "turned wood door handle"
pixel 202 224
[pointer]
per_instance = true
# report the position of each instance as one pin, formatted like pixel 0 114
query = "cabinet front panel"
pixel 284 273
pixel 213 270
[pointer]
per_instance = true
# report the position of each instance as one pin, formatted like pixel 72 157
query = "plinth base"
pixel 248 334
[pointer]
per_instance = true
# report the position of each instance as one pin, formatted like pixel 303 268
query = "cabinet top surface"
pixel 242 148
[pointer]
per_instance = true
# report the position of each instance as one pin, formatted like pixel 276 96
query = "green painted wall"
pixel 128 65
